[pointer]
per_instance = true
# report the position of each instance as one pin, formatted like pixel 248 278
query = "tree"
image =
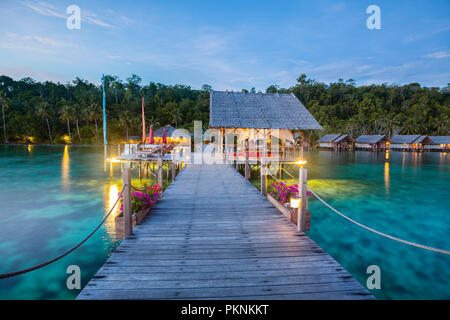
pixel 4 102
pixel 125 120
pixel 43 111
pixel 66 114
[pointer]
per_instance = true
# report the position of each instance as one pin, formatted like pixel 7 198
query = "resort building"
pixel 409 142
pixel 258 118
pixel 439 143
pixel 336 141
pixel 372 142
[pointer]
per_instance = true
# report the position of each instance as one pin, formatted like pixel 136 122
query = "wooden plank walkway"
pixel 214 236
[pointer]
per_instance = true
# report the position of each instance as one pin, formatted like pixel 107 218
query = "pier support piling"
pixel 126 197
pixel 301 217
pixel 247 173
pixel 160 171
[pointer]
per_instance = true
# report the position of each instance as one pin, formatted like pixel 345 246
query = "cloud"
pixel 45 9
pixel 34 43
pixel 439 55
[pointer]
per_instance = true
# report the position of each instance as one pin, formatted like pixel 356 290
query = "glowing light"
pixel 113 160
pixel 295 202
pixel 387 155
pixel 301 162
pixel 30 147
pixel 66 139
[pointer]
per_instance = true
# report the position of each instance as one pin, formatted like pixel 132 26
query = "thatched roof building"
pixel 441 143
pixel 372 142
pixel 335 141
pixel 409 142
pixel 259 111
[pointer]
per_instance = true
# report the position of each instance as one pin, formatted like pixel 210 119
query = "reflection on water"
pixel 110 199
pixel 386 177
pixel 30 148
pixel 65 169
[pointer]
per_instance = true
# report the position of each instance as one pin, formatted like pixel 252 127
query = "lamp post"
pixel 303 177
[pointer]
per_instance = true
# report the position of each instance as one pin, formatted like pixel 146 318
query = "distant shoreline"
pixel 50 144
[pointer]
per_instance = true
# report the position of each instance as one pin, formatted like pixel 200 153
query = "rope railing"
pixel 142 190
pixel 379 232
pixel 38 266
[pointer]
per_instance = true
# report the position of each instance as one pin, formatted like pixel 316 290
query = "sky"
pixel 228 44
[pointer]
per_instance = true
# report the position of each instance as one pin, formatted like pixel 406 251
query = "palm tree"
pixel 43 111
pixel 66 114
pixel 125 121
pixel 77 111
pixel 92 114
pixel 4 101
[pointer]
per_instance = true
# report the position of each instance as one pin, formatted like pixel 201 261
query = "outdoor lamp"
pixel 301 163
pixel 295 202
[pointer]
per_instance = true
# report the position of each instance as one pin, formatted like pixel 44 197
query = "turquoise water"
pixel 402 194
pixel 52 197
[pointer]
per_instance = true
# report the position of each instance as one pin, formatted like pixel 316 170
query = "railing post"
pixel 160 171
pixel 126 198
pixel 247 175
pixel 301 217
pixel 263 165
pixel 173 170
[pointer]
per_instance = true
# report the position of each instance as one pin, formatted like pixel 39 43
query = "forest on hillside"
pixel 48 112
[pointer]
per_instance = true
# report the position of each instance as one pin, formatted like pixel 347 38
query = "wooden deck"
pixel 214 236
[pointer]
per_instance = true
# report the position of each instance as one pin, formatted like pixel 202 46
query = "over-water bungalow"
pixel 258 118
pixel 439 143
pixel 336 141
pixel 372 142
pixel 409 142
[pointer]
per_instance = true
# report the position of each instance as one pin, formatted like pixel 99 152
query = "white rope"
pixel 283 182
pixel 378 232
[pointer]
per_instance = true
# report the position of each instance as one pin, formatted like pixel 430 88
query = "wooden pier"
pixel 214 236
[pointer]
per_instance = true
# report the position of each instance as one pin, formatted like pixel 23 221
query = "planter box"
pixel 291 215
pixel 136 219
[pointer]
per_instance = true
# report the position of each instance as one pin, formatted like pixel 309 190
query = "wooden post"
pixel 226 146
pixel 247 175
pixel 140 170
pixel 301 217
pixel 160 172
pixel 167 170
pixel 118 149
pixel 263 164
pixel 173 170
pixel 126 197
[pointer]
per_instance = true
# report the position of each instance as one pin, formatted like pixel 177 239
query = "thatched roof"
pixel 329 137
pixel 336 138
pixel 404 138
pixel 371 138
pixel 259 111
pixel 440 139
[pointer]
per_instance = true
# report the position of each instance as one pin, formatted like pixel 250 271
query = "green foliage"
pixel 49 111
pixel 343 107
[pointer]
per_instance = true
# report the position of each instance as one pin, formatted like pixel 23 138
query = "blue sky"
pixel 228 44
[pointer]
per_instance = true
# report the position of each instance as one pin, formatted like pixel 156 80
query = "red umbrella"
pixel 150 135
pixel 164 140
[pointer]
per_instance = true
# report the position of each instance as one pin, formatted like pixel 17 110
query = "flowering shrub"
pixel 283 191
pixel 141 200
